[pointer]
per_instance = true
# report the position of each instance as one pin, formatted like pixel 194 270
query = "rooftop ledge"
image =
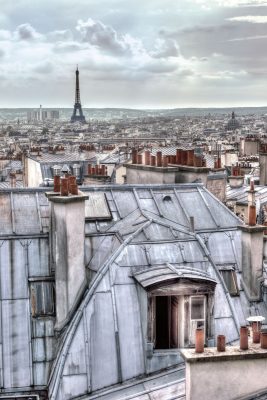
pixel 231 353
pixel 252 228
pixel 56 198
pixel 152 167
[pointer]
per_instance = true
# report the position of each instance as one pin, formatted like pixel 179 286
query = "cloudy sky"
pixel 133 53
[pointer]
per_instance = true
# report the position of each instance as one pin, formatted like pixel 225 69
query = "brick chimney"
pixel 236 180
pixel 67 237
pixel 252 251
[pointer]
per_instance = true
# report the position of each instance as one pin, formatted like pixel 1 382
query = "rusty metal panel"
pixel 5 214
pixel 13 270
pixel 42 298
pixel 26 213
pixel 16 344
pixel 38 257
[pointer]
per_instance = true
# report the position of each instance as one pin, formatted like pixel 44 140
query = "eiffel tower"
pixel 77 105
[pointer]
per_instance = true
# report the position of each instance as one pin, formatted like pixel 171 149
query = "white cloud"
pixel 26 32
pixel 242 39
pixel 254 19
pixel 105 37
pixel 60 35
pixel 229 3
pixel 165 48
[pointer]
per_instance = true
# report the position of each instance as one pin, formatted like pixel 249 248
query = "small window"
pixel 42 299
pixel 229 277
pixel 197 316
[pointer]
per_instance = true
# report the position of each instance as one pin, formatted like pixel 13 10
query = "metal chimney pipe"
pixel 220 343
pixel 159 159
pixel 64 187
pixel 243 338
pixel 199 347
pixel 57 183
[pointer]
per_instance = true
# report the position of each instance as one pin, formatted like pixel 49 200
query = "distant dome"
pixel 233 123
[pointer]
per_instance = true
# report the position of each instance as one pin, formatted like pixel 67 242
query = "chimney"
pixel 57 183
pixel 165 161
pixel 183 157
pixel 147 157
pixel 190 158
pixel 139 159
pixel 12 176
pixel 67 230
pixel 134 156
pixel 252 255
pixel 153 160
pixel 236 180
pixel 178 156
pixel 159 159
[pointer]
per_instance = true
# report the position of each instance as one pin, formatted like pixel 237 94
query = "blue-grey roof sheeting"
pixel 149 241
pixel 23 213
pixel 241 194
pixel 16 354
pixel 98 249
pixel 5 214
pixel 221 254
pixel 158 274
pixel 145 234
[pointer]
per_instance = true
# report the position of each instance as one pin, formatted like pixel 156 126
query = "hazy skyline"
pixel 139 54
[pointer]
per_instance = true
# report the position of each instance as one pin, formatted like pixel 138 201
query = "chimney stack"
pixel 12 176
pixel 67 230
pixel 134 156
pixel 159 159
pixel 147 157
pixel 252 255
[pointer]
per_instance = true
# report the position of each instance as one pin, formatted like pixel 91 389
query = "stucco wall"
pixel 149 176
pixel 225 380
pixel 34 173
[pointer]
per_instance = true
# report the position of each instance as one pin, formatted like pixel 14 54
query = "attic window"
pixel 230 280
pixel 167 198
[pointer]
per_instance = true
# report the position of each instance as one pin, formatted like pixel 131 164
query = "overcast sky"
pixel 133 53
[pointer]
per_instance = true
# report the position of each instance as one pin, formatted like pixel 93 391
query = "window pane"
pixel 197 307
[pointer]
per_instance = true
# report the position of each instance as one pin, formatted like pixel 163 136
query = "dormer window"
pixel 180 300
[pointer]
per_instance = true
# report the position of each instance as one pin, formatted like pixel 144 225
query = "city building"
pixel 100 290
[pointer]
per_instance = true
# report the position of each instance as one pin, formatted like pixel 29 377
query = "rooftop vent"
pixel 56 170
pixel 167 198
pixel 76 170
